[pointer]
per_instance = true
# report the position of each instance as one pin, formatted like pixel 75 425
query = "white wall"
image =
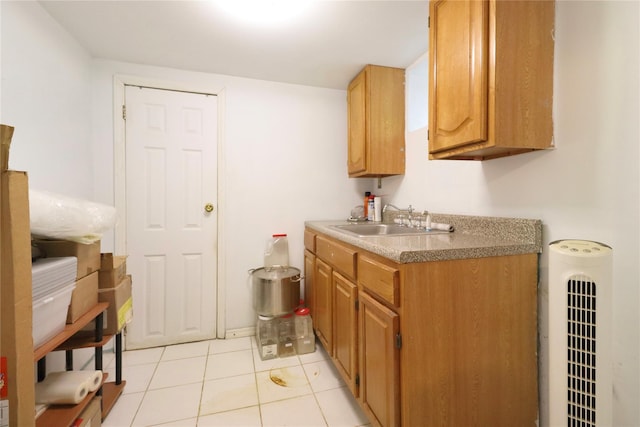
pixel 45 90
pixel 587 188
pixel 284 161
pixel 45 96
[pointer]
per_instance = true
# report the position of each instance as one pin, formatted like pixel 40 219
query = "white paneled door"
pixel 171 220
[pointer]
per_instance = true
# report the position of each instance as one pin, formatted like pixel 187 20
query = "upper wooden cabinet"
pixel 375 99
pixel 491 78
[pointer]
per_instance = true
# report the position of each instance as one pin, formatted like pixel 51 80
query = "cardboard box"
pixel 120 310
pixel 16 341
pixel 88 255
pixel 84 297
pixel 91 416
pixel 112 270
pixel 3 378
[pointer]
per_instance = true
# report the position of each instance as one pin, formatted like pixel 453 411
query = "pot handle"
pixel 298 279
pixel 250 272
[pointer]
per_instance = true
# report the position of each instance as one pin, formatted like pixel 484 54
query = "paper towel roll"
pixel 92 379
pixel 67 386
pixel 439 226
pixel 61 391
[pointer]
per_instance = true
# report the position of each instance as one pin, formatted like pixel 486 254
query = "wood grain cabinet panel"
pixel 375 106
pixel 309 290
pixel 310 241
pixel 345 330
pixel 323 301
pixel 339 256
pixel 491 78
pixel 438 343
pixel 379 279
pixel 379 362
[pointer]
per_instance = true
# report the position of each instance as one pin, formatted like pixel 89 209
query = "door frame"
pixel 120 180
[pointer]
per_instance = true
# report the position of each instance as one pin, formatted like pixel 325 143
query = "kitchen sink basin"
pixel 364 230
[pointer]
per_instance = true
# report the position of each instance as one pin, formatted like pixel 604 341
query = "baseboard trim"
pixel 241 332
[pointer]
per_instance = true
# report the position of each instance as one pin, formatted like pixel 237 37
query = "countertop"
pixel 473 237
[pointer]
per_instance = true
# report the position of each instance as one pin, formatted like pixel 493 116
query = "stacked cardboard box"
pixel 16 341
pixel 91 416
pixel 114 288
pixel 85 294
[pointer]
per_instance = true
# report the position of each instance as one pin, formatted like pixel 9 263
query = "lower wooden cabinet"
pixel 379 336
pixel 439 343
pixel 345 330
pixel 323 302
pixel 309 289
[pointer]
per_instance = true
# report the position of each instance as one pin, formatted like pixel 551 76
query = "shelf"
pixel 69 331
pixel 110 393
pixel 64 415
pixel 72 338
pixel 83 341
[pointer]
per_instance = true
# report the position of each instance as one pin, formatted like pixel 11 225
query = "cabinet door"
pixel 458 83
pixel 356 101
pixel 323 304
pixel 309 273
pixel 379 362
pixel 345 330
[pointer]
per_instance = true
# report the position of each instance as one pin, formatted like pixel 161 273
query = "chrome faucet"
pixel 389 205
pixel 401 217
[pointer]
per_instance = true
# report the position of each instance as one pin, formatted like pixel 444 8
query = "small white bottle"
pixel 377 209
pixel 371 209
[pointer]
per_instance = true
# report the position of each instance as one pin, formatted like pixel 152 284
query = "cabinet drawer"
pixel 340 257
pixel 379 279
pixel 310 241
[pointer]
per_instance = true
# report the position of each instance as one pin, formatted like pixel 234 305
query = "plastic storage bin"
pixel 52 274
pixel 50 314
pixel 287 336
pixel 305 338
pixel 267 337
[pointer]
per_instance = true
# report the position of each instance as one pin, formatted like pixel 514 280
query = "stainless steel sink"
pixel 363 230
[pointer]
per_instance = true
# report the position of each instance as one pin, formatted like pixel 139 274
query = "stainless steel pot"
pixel 276 290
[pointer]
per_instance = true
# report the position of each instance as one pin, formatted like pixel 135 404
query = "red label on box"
pixel 3 378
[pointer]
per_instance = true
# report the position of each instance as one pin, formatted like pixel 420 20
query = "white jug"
pixel 277 252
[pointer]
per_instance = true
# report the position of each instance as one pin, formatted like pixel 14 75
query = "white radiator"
pixel 580 327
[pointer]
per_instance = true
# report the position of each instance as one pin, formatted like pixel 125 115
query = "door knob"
pixel 208 207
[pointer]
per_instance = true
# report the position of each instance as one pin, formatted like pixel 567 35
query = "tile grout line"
pixel 146 389
pixel 255 378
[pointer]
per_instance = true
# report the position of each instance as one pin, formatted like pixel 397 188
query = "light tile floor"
pixel 224 383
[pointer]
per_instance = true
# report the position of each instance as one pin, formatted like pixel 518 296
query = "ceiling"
pixel 326 46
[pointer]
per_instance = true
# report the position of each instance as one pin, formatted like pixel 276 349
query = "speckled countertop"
pixel 474 237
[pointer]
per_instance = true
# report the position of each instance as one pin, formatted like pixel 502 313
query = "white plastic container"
pixel 377 209
pixel 267 337
pixel 305 338
pixel 50 314
pixel 52 274
pixel 277 252
pixel 287 336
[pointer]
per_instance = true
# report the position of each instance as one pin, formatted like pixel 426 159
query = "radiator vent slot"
pixel 581 354
pixel 580 366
